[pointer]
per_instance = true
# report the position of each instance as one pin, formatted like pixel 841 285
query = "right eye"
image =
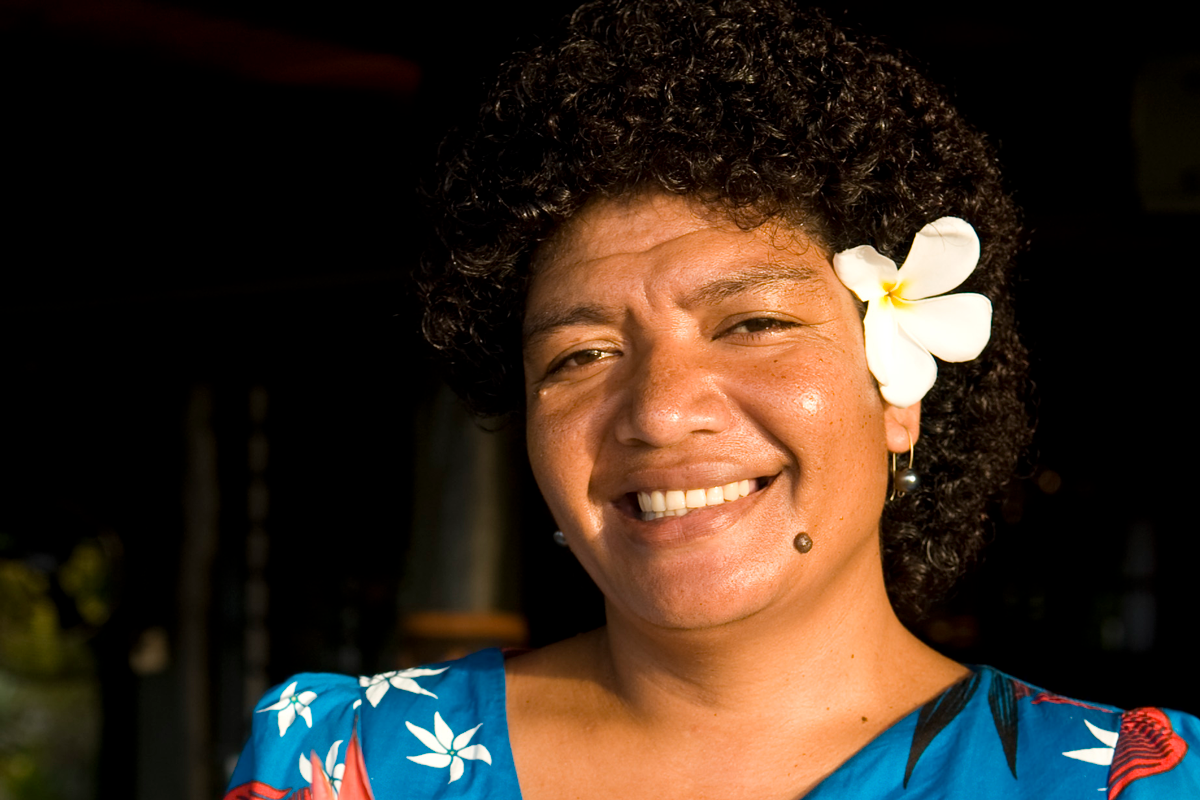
pixel 580 358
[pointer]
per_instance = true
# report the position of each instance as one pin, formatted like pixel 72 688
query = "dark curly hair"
pixel 769 114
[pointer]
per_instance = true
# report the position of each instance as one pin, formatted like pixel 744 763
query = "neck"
pixel 808 680
pixel 810 658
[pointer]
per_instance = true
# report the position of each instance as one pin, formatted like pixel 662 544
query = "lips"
pixel 660 503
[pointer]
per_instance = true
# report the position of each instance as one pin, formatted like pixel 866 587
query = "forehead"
pixel 648 221
pixel 667 247
pixel 631 223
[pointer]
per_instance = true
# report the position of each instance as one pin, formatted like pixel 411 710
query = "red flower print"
pixel 255 790
pixel 1148 745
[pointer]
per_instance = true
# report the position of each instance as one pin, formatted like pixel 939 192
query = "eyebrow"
pixel 743 279
pixel 541 324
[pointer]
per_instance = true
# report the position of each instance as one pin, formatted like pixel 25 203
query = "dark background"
pixel 210 205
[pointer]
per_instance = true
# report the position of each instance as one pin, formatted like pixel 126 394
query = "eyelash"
pixel 599 355
pixel 772 323
pixel 596 354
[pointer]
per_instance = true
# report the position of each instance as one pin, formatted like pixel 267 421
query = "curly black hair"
pixel 768 113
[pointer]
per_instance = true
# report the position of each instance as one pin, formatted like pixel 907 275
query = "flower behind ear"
pixel 906 325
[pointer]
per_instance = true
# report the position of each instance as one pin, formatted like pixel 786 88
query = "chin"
pixel 700 601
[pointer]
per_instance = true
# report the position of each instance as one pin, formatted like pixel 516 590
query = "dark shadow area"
pixel 213 375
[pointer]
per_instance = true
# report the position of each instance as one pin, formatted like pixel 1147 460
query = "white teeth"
pixel 676 503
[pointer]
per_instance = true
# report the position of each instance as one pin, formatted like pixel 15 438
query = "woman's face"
pixel 668 351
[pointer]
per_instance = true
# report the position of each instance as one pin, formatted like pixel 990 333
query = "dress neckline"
pixel 884 741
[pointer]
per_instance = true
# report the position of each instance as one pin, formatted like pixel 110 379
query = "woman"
pixel 671 244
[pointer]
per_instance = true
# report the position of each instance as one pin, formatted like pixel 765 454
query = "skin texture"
pixel 690 354
pixel 666 348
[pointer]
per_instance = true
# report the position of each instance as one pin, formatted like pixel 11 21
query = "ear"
pixel 900 424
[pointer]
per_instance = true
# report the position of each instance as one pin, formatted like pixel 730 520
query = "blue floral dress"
pixel 441 732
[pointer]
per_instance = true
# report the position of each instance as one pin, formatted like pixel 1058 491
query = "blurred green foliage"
pixel 49 695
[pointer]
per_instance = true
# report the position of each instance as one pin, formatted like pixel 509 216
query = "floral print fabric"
pixel 433 732
pixel 442 732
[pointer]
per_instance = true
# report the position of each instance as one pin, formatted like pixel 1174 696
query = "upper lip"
pixel 695 476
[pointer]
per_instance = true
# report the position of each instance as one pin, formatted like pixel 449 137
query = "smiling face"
pixel 671 355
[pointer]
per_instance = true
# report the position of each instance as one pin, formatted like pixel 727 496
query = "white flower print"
pixel 290 704
pixel 377 685
pixel 448 750
pixel 1097 755
pixel 333 770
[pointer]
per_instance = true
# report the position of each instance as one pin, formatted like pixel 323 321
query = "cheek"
pixel 559 453
pixel 543 442
pixel 827 406
pixel 811 402
pixel 826 385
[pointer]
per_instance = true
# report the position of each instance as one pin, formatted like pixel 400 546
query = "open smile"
pixel 660 503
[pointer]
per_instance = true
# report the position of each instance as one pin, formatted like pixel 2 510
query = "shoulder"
pixel 994 736
pixel 564 680
pixel 391 732
pixel 1073 745
pixel 310 715
pixel 1154 755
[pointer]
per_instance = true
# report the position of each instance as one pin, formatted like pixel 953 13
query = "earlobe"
pixel 902 427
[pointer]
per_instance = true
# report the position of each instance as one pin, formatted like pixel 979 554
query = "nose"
pixel 669 397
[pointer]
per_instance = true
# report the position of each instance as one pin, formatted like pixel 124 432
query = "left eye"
pixel 760 324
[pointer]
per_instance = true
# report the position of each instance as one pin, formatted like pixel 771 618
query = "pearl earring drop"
pixel 908 479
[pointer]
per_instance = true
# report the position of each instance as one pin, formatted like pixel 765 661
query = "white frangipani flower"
pixel 289 705
pixel 448 750
pixel 377 685
pixel 1097 755
pixel 333 770
pixel 905 321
